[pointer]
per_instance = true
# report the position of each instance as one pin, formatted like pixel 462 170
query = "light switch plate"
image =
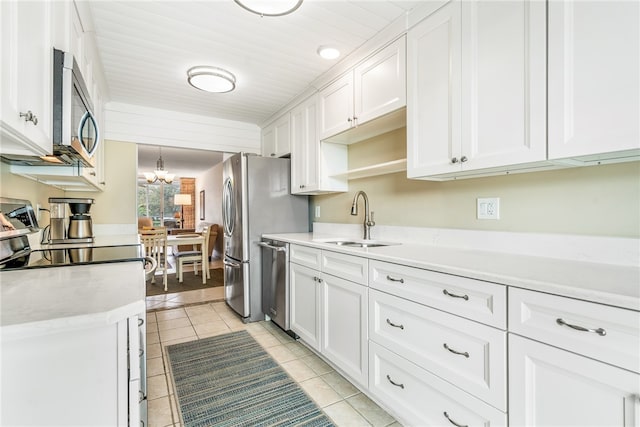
pixel 488 208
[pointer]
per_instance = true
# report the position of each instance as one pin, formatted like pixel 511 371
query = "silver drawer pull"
pixel 389 322
pixel 598 331
pixel 393 279
pixel 453 422
pixel 464 297
pixel 394 383
pixel 460 353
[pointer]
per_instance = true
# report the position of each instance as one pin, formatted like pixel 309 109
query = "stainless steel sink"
pixel 360 243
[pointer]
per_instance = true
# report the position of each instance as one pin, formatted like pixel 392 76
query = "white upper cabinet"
pixel 594 88
pixel 26 77
pixel 314 163
pixel 305 148
pixel 476 88
pixel 276 138
pixel 375 87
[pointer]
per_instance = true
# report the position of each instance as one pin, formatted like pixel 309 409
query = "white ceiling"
pixel 146 48
pixel 180 161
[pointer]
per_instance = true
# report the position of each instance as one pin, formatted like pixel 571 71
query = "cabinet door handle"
pixel 464 297
pixel 454 160
pixel 140 321
pixel 453 422
pixel 393 279
pixel 463 159
pixel 394 383
pixel 30 117
pixel 349 119
pixel 460 353
pixel 389 322
pixel 598 331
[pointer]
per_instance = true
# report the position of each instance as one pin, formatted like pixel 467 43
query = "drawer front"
pixel 347 267
pixel 474 299
pixel 470 355
pixel 420 398
pixel 612 335
pixel 304 255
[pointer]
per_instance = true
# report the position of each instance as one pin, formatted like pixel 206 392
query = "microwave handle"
pixel 88 116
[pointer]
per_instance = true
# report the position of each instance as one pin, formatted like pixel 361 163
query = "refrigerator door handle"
pixel 275 248
pixel 232 264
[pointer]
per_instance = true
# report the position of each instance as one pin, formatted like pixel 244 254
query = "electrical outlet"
pixel 317 211
pixel 488 208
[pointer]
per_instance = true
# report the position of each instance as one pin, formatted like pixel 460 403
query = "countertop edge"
pixel 534 280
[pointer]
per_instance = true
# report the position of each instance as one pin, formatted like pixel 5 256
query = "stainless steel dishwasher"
pixel 275 281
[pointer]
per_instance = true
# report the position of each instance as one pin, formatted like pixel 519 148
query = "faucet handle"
pixel 371 221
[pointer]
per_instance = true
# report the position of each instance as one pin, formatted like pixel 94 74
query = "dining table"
pixel 195 240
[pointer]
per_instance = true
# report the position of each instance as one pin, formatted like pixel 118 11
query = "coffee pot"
pixel 77 228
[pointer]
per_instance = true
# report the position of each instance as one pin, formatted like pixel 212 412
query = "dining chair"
pixel 154 242
pixel 195 256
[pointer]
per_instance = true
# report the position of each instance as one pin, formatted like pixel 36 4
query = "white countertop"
pixel 44 300
pixel 616 285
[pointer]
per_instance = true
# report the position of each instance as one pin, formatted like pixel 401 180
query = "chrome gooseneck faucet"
pixel 368 216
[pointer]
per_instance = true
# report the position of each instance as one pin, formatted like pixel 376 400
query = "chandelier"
pixel 159 174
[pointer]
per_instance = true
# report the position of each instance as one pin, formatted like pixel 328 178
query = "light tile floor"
pixel 339 399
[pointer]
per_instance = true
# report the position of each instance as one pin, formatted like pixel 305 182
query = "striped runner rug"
pixel 230 380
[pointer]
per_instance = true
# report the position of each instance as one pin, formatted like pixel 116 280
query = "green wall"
pixel 593 200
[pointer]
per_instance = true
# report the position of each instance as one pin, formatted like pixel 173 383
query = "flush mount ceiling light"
pixel 269 7
pixel 211 79
pixel 328 52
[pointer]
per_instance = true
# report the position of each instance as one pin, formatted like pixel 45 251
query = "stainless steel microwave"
pixel 75 127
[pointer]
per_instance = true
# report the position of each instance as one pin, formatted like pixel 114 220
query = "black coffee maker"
pixel 78 227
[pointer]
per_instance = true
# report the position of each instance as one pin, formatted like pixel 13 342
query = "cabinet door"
pixel 433 93
pixel 305 147
pixel 503 83
pixel 594 89
pixel 336 106
pixel 344 326
pixel 380 83
pixel 26 77
pixel 276 138
pixel 552 387
pixel 305 304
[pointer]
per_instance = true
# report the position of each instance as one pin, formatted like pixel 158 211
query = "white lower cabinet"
pixel 553 387
pixel 86 375
pixel 468 354
pixel 305 304
pixel 432 348
pixel 330 313
pixel 344 326
pixel 419 398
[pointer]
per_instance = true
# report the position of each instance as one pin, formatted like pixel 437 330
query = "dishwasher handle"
pixel 275 248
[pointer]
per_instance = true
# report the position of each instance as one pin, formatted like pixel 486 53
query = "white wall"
pixel 211 182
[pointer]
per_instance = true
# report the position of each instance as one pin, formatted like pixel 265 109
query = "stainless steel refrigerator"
pixel 256 199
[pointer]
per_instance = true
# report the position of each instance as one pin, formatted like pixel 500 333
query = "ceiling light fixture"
pixel 159 174
pixel 328 52
pixel 211 79
pixel 269 7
